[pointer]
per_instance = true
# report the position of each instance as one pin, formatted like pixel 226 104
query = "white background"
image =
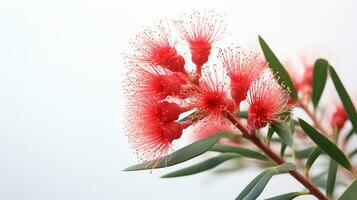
pixel 61 105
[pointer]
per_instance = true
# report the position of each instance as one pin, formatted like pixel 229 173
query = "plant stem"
pixel 313 117
pixel 249 135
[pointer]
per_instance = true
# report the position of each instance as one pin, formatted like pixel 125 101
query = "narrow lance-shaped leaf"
pixel 288 196
pixel 303 153
pixel 354 152
pixel 282 149
pixel 251 185
pixel 186 153
pixel 321 182
pixel 325 144
pixel 319 80
pixel 332 170
pixel 276 66
pixel 283 129
pixel 312 158
pixel 331 178
pixel 239 150
pixel 259 187
pixel 255 187
pixel 350 193
pixel 202 166
pixel 345 98
pixel 349 135
pixel 320 179
pixel 270 135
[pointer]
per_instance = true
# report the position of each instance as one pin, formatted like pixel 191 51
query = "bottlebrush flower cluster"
pixel 160 86
pixel 223 97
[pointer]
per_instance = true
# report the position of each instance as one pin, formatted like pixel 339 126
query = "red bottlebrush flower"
pixel 242 69
pixel 210 98
pixel 201 30
pixel 155 46
pixel 268 101
pixel 151 128
pixel 152 81
pixel 308 59
pixel 339 117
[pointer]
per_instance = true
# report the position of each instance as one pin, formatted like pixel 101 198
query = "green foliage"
pixel 186 153
pixel 283 129
pixel 314 154
pixel 349 135
pixel 319 80
pixel 202 166
pixel 345 98
pixel 331 178
pixel 304 153
pixel 350 193
pixel 288 196
pixel 325 144
pixel 257 185
pixel 276 66
pixel 238 150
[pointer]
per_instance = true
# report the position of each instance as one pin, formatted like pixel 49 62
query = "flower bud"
pixel 172 131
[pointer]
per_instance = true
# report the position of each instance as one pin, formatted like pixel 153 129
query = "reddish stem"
pixel 249 135
pixel 313 117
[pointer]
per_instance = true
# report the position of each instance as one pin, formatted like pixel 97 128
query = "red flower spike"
pixel 155 46
pixel 151 128
pixel 201 30
pixel 152 81
pixel 210 98
pixel 268 102
pixel 242 69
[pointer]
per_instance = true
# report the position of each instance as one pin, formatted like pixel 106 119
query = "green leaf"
pixel 288 196
pixel 257 185
pixel 345 98
pixel 283 129
pixel 350 193
pixel 320 179
pixel 349 135
pixel 251 185
pixel 332 171
pixel 282 150
pixel 202 166
pixel 186 153
pixel 312 158
pixel 270 135
pixel 354 152
pixel 319 80
pixel 331 178
pixel 286 167
pixel 238 150
pixel 326 145
pixel 304 153
pixel 276 66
